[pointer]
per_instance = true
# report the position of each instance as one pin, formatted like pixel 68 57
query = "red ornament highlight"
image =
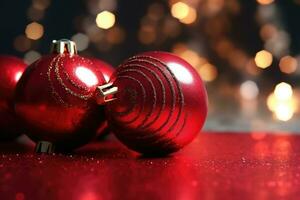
pixel 11 70
pixel 55 100
pixel 107 71
pixel 161 103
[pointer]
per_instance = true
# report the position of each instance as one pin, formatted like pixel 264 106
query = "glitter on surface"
pixel 215 166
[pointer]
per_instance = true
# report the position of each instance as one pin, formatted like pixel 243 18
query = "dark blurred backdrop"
pixel 247 52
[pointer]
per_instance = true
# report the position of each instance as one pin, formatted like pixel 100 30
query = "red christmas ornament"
pixel 55 100
pixel 161 105
pixel 11 69
pixel 107 71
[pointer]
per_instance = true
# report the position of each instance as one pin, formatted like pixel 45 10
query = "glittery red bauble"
pixel 107 71
pixel 55 100
pixel 11 69
pixel 161 103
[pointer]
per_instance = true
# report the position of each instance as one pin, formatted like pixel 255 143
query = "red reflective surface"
pixel 107 71
pixel 161 103
pixel 11 69
pixel 214 166
pixel 54 98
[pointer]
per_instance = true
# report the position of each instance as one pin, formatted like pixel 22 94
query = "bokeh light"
pixel 34 31
pixel 213 7
pixel 249 90
pixel 284 112
pixel 40 4
pixel 107 5
pixel 180 10
pixel 190 18
pixel 191 56
pixel 265 2
pixel 115 35
pixel 171 28
pixel 22 43
pixel 81 40
pixel 155 11
pixel 282 102
pixel 208 72
pixel 35 14
pixel 288 64
pixel 251 68
pixel 95 34
pixel 263 59
pixel 184 13
pixel 147 34
pixel 105 20
pixel 268 31
pixel 283 91
pixel 31 56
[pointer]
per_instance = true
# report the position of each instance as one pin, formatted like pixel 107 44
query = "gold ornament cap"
pixel 63 46
pixel 105 93
pixel 44 147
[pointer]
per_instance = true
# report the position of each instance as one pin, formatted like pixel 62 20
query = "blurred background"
pixel 247 52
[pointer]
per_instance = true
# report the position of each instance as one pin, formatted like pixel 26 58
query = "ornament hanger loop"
pixel 64 46
pixel 44 147
pixel 104 93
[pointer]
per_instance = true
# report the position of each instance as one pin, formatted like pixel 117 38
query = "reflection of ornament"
pixel 107 71
pixel 11 69
pixel 161 104
pixel 54 99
